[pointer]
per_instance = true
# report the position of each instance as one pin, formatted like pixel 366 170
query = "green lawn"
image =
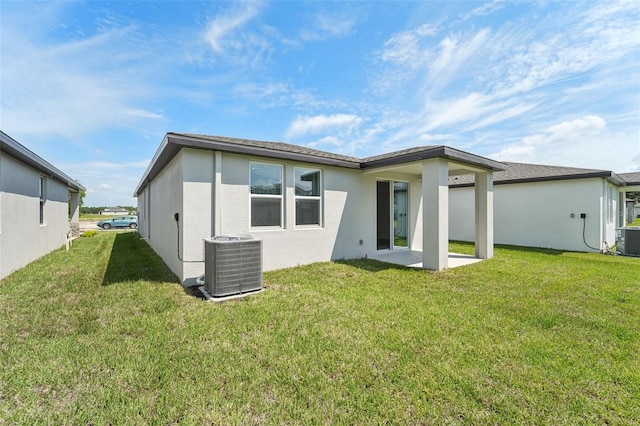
pixel 104 334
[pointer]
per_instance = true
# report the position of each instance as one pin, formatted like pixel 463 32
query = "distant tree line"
pixel 97 210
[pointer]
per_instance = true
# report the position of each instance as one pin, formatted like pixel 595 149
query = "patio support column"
pixel 484 215
pixel 435 214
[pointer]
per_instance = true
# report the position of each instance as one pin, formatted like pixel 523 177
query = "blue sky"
pixel 92 87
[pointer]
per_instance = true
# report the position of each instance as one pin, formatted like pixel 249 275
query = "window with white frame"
pixel 308 195
pixel 42 194
pixel 266 195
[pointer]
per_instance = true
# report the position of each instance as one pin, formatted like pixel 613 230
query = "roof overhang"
pixel 459 162
pixel 173 143
pixel 407 161
pixel 609 176
pixel 16 150
pixel 631 188
pixel 462 158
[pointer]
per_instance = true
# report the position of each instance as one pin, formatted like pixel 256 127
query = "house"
pixel 304 204
pixel 113 211
pixel 564 208
pixel 34 206
pixel 633 185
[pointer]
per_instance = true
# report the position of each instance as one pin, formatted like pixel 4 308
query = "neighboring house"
pixel 305 205
pixel 633 185
pixel 34 206
pixel 111 211
pixel 542 206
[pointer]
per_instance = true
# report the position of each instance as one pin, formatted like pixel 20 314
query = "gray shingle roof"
pixel 523 172
pixel 631 178
pixel 272 146
pixel 388 155
pixel 174 142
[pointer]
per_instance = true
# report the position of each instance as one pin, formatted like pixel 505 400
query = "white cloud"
pixel 276 93
pixel 329 25
pixel 220 33
pixel 583 142
pixel 122 178
pixel 99 167
pixel 73 87
pixel 487 86
pixel 443 114
pixel 499 112
pixel 319 123
pixel 597 38
pixel 456 55
pixel 485 9
pixel 406 47
pixel 233 36
pixel 435 137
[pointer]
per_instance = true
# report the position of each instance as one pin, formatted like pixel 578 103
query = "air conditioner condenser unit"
pixel 628 241
pixel 233 264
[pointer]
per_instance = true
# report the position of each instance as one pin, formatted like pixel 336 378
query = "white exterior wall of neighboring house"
pixel 23 238
pixel 187 185
pixel 538 214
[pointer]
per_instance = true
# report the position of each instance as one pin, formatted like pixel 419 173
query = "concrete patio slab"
pixel 413 258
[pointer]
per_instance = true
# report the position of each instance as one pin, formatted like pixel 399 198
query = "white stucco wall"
pixel 538 214
pixel 158 227
pixel 197 209
pixel 22 238
pixel 348 212
pixel 187 186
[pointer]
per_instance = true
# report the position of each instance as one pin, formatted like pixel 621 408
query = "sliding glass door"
pixel 400 210
pixel 392 199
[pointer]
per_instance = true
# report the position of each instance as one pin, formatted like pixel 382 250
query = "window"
pixel 266 195
pixel 308 196
pixel 42 195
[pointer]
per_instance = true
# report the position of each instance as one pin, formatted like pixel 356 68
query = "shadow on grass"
pixel 132 259
pixel 372 265
pixel 194 292
pixel 541 250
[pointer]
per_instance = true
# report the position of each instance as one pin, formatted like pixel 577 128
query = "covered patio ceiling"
pixel 415 169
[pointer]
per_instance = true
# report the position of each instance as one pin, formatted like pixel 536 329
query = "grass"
pixel 104 334
pixel 96 216
pixel 89 216
pixel 399 241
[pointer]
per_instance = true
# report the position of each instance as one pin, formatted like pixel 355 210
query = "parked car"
pixel 119 222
